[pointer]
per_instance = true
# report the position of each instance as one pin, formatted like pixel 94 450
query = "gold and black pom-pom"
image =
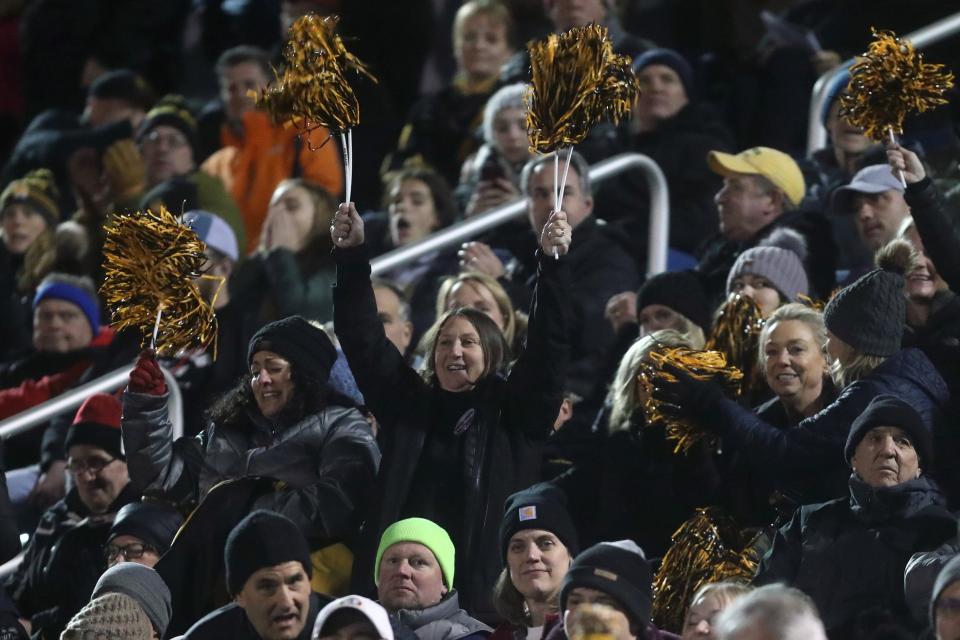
pixel 710 547
pixel 888 82
pixel 576 81
pixel 700 365
pixel 736 334
pixel 151 263
pixel 313 89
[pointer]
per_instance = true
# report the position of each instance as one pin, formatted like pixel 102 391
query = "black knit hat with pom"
pixel 870 314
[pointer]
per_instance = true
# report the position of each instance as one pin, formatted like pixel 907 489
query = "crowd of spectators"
pixel 459 447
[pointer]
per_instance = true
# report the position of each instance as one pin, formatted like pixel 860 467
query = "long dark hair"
pixel 310 396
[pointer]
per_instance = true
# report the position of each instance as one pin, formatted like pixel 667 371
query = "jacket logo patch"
pixel 528 513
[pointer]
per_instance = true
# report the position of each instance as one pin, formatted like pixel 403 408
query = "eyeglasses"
pixel 171 140
pixel 132 551
pixel 93 465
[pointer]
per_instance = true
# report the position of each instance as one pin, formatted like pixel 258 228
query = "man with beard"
pixel 65 556
pixel 268 576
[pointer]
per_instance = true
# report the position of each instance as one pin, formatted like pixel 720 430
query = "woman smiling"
pixel 460 437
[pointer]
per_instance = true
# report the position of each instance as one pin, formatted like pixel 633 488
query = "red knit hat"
pixel 97 423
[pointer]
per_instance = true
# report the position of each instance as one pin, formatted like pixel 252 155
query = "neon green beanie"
pixel 425 532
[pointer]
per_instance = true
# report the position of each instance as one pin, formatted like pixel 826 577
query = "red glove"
pixel 146 376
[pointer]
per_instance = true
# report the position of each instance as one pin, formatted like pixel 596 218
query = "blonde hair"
pixel 860 366
pixel 793 311
pixel 728 590
pixel 499 294
pixel 623 390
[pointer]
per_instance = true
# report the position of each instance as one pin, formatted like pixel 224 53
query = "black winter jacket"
pixel 494 446
pixel 679 146
pixel 326 462
pixel 849 554
pixel 63 561
pixel 807 460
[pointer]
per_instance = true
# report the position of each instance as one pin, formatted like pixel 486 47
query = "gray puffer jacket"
pixel 324 465
pixel 443 621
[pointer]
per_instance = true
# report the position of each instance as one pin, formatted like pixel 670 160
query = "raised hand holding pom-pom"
pixel 347 228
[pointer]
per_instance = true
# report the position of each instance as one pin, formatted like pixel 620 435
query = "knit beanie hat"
pixel 155 523
pixel 97 423
pixel 668 58
pixel 114 616
pixel 870 314
pixel 542 506
pixel 682 291
pixel 263 539
pixel 947 576
pixel 619 569
pixel 890 411
pixel 144 585
pixel 38 189
pixel 779 259
pixel 422 531
pixel 306 346
pixel 53 288
pixel 171 110
pixel 122 84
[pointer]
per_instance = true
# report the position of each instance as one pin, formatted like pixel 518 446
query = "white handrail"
pixel 71 399
pixel 921 38
pixel 658 234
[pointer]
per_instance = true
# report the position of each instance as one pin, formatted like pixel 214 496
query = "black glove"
pixel 687 397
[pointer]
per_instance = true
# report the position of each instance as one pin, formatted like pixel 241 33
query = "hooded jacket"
pixel 849 554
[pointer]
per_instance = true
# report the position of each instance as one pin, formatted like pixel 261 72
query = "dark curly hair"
pixel 310 396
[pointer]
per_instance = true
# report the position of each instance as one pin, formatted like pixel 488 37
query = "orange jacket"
pixel 253 165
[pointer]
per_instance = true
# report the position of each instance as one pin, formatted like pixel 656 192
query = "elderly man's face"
pixel 743 207
pixel 577 204
pixel 886 457
pixel 60 326
pixel 410 577
pixel 99 477
pixel 277 600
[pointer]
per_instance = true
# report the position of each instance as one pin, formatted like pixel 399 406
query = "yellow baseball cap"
pixel 775 166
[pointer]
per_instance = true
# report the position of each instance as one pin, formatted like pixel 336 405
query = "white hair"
pixel 775 611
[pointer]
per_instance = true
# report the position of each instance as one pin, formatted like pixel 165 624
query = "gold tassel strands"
pixel 735 334
pixel 888 82
pixel 709 547
pixel 313 90
pixel 700 365
pixel 576 81
pixel 151 262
